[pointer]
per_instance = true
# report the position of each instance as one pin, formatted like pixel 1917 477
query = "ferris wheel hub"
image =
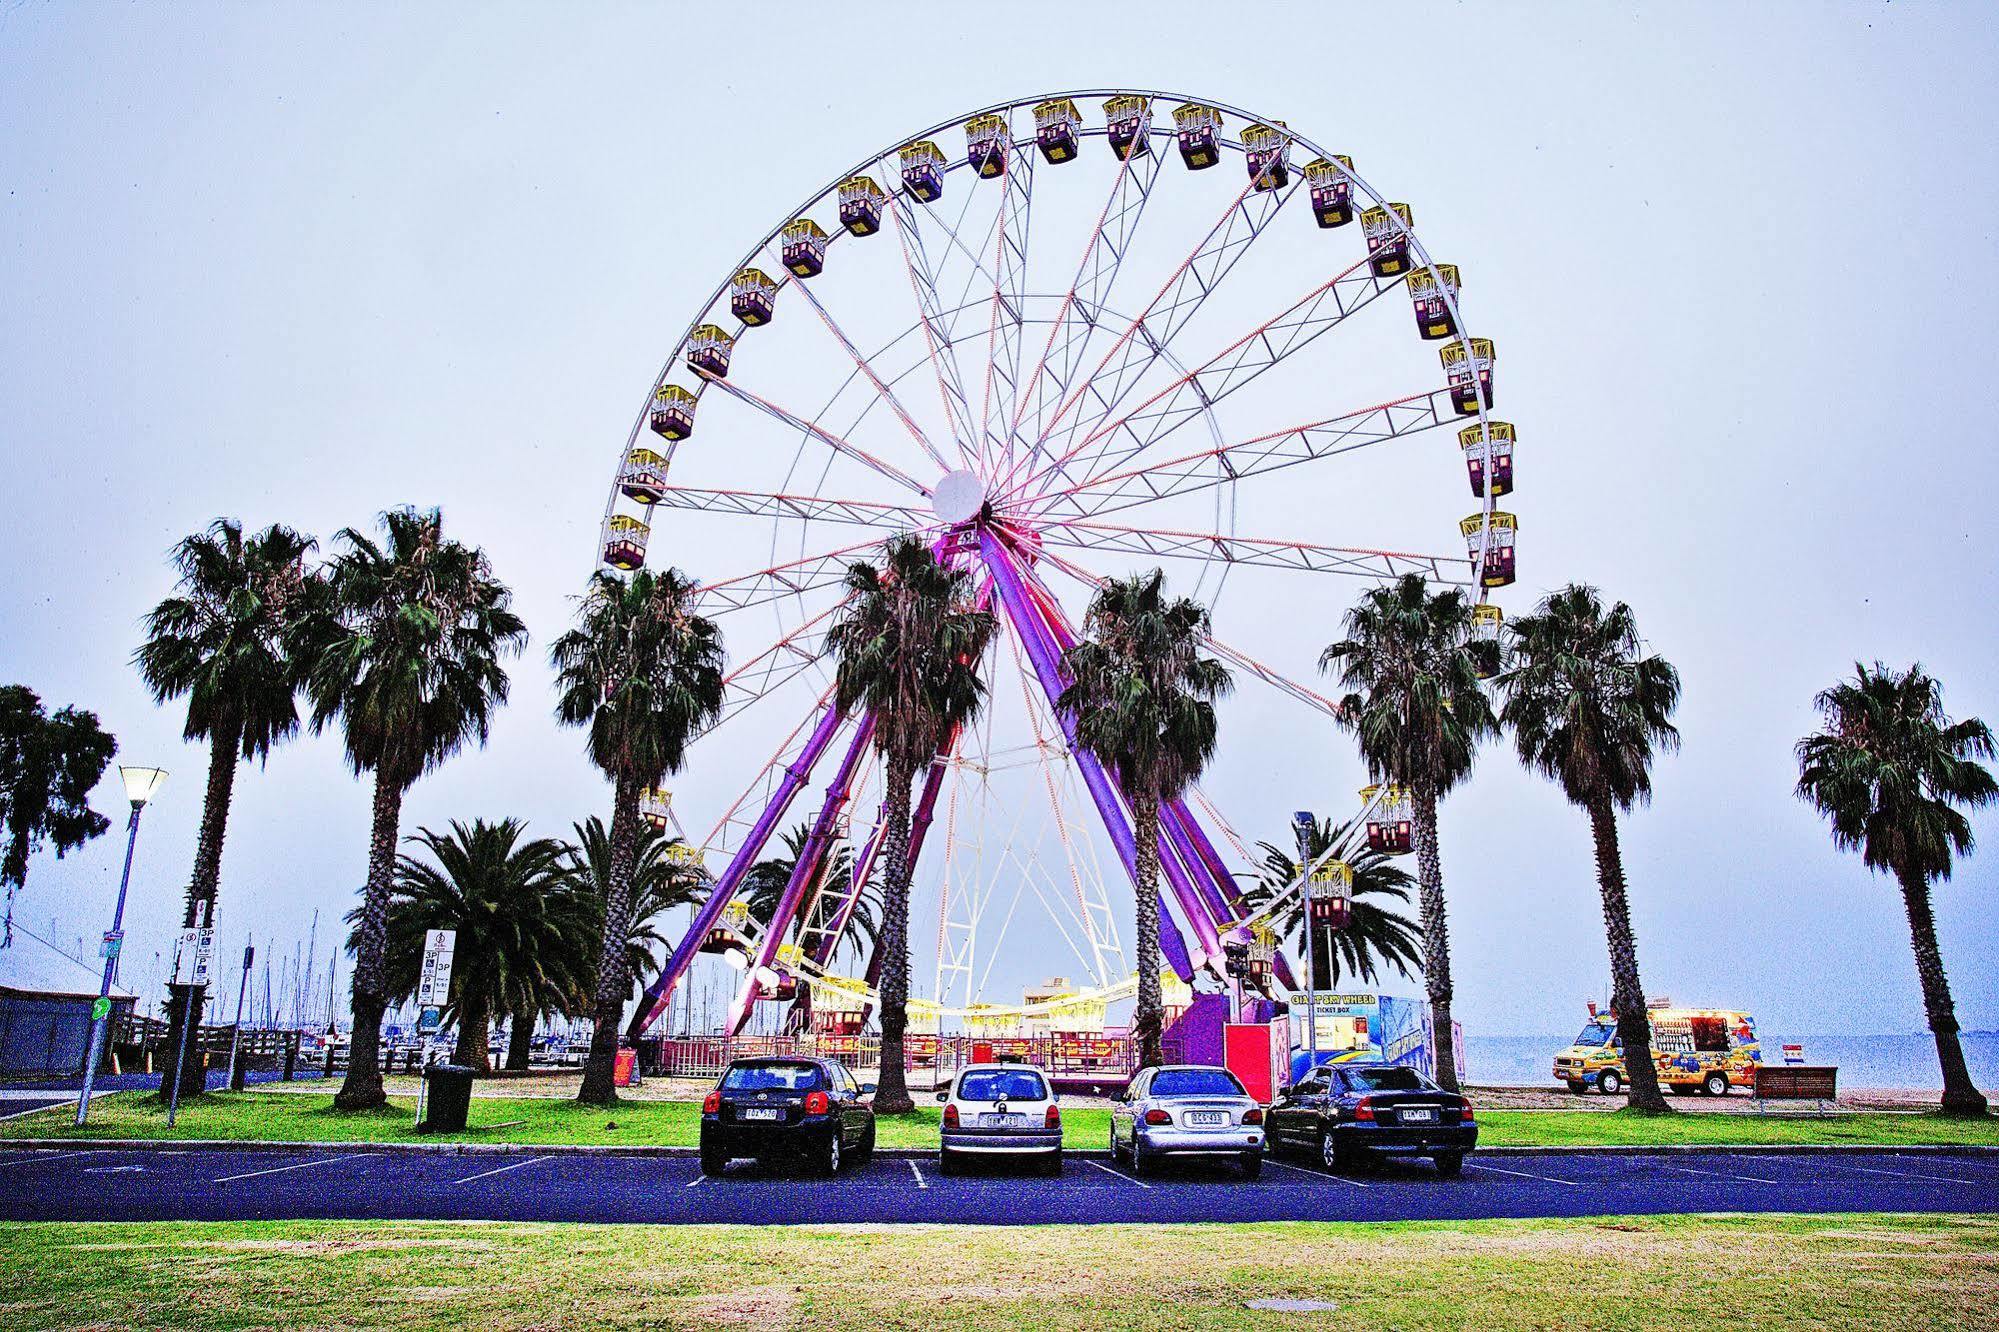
pixel 959 496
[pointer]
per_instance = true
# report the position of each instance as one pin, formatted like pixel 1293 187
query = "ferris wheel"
pixel 1058 346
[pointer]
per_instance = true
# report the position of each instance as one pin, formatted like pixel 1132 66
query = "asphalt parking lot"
pixel 356 1183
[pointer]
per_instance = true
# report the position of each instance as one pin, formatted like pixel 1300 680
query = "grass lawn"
pixel 309 1117
pixel 1682 1273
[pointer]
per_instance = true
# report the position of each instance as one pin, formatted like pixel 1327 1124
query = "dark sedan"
pixel 1345 1113
pixel 788 1107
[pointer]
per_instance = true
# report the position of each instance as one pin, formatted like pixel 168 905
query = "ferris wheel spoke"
pixel 804 508
pixel 1264 347
pixel 770 669
pixel 930 317
pixel 810 573
pixel 816 431
pixel 1229 463
pixel 1008 316
pixel 1253 552
pixel 867 371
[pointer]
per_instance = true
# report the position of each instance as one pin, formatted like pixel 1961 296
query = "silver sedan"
pixel 1195 1110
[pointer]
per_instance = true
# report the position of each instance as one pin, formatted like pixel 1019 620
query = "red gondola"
pixel 673 412
pixel 1497 570
pixel 1489 457
pixel 1391 821
pixel 625 542
pixel 642 479
pixel 1431 290
pixel 1469 373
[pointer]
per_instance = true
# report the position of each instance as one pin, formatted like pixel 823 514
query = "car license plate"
pixel 1207 1118
pixel 760 1112
pixel 1002 1121
pixel 1419 1116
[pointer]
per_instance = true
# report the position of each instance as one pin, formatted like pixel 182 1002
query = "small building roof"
pixel 33 966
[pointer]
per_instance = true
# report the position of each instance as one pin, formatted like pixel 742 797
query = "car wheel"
pixel 713 1162
pixel 1052 1167
pixel 947 1163
pixel 1251 1164
pixel 1117 1152
pixel 1609 1084
pixel 1141 1160
pixel 829 1163
pixel 1578 1087
pixel 866 1151
pixel 1716 1084
pixel 1331 1155
pixel 1449 1164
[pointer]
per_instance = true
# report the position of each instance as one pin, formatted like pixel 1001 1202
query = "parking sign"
pixel 433 986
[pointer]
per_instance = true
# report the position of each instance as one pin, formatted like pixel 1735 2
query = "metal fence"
pixel 1067 1057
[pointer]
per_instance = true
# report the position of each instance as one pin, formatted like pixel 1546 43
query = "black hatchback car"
pixel 797 1108
pixel 1345 1113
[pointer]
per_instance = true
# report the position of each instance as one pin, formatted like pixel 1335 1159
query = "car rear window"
pixel 772 1077
pixel 992 1084
pixel 1384 1079
pixel 1195 1082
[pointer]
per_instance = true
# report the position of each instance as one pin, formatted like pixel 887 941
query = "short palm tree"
pixel 1375 938
pixel 764 886
pixel 1419 712
pixel 48 763
pixel 644 673
pixel 220 642
pixel 660 883
pixel 404 649
pixel 1143 700
pixel 1589 709
pixel 1889 770
pixel 907 644
pixel 505 898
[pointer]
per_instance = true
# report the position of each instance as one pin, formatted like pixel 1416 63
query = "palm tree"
pixel 404 648
pixel 506 900
pixel 1889 770
pixel 659 884
pixel 907 644
pixel 1142 697
pixel 765 883
pixel 644 673
pixel 48 763
pixel 219 641
pixel 1375 936
pixel 1588 709
pixel 1419 713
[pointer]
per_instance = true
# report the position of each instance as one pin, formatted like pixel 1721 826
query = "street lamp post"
pixel 236 1031
pixel 140 786
pixel 1303 824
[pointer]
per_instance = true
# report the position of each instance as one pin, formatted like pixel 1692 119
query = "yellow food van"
pixel 1705 1050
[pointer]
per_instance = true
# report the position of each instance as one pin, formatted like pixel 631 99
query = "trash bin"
pixel 447 1098
pixel 622 1065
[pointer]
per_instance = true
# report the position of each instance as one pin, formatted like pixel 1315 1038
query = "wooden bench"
pixel 1797 1082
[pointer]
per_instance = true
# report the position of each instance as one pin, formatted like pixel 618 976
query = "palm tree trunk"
pixel 892 1092
pixel 1627 995
pixel 475 1021
pixel 613 983
pixel 1436 932
pixel 520 1042
pixel 1148 1017
pixel 200 907
pixel 1960 1096
pixel 362 1089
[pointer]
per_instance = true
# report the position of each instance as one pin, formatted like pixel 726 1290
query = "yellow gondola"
pixel 1390 823
pixel 1387 244
pixel 1432 290
pixel 656 807
pixel 1468 371
pixel 753 297
pixel 625 541
pixel 673 412
pixel 1056 123
pixel 1489 457
pixel 988 140
pixel 1486 622
pixel 1199 129
pixel 1266 151
pixel 1128 125
pixel 710 350
pixel 1332 190
pixel 1498 568
pixel 923 170
pixel 861 203
pixel 1329 891
pixel 642 478
pixel 803 247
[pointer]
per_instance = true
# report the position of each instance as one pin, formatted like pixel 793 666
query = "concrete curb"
pixel 910 1153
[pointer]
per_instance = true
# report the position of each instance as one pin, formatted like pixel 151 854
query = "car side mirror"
pixel 943 1096
pixel 867 1089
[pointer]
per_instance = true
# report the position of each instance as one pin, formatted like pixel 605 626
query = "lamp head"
pixel 141 784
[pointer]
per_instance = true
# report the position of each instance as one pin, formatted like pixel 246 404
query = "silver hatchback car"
pixel 1195 1110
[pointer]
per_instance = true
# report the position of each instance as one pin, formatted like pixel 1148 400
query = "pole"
pixel 114 941
pixel 236 1031
pixel 1302 823
pixel 186 1039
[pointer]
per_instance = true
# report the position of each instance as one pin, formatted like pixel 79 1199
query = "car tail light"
pixel 1253 1115
pixel 817 1103
pixel 950 1116
pixel 1469 1117
pixel 1053 1119
pixel 1364 1109
pixel 712 1103
pixel 1158 1117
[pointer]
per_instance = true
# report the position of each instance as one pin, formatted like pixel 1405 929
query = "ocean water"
pixel 1904 1063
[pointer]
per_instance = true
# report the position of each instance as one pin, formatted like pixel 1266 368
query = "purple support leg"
pixel 657 995
pixel 1041 651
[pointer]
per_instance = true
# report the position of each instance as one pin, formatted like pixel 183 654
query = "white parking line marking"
pixel 502 1170
pixel 1716 1174
pixel 39 1160
pixel 919 1175
pixel 41 1109
pixel 1520 1174
pixel 279 1170
pixel 1903 1174
pixel 1315 1174
pixel 1119 1174
pixel 696 1180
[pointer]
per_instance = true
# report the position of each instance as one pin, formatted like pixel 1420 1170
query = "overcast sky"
pixel 300 264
